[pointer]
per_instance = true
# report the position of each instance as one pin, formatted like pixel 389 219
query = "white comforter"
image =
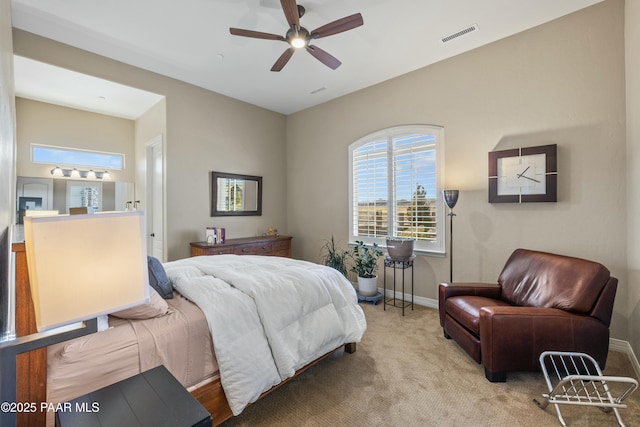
pixel 268 316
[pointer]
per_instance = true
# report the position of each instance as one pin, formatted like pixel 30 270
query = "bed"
pixel 174 334
pixel 303 323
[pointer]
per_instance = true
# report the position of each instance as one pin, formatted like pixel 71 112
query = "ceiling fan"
pixel 299 37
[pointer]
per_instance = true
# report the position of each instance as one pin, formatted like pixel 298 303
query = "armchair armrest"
pixel 489 290
pixel 513 337
pixel 446 290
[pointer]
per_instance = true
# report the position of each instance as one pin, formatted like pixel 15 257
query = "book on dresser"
pixel 267 245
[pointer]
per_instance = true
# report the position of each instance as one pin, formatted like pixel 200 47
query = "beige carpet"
pixel 405 373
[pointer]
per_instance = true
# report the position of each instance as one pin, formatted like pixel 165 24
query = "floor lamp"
pixel 451 198
pixel 80 267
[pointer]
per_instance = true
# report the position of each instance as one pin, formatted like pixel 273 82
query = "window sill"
pixel 418 252
pixel 424 252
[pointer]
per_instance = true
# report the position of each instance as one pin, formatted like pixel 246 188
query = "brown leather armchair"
pixel 542 301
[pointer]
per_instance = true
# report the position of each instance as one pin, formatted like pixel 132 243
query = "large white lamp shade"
pixel 84 266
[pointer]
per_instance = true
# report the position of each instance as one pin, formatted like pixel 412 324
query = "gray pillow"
pixel 158 278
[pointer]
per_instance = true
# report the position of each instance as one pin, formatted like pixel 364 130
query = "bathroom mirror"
pixel 59 194
pixel 233 194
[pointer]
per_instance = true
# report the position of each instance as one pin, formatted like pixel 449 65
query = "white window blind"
pixel 396 187
pixel 415 187
pixel 84 194
pixel 230 195
pixel 370 187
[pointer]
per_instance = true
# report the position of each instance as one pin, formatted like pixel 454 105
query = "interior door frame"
pixel 151 173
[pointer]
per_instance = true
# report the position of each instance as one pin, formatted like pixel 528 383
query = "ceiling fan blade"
pixel 338 26
pixel 290 9
pixel 255 34
pixel 282 61
pixel 324 57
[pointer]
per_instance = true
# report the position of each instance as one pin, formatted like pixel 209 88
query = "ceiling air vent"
pixel 460 33
pixel 313 92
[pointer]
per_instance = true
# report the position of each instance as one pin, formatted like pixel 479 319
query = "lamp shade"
pixel 84 266
pixel 40 212
pixel 451 197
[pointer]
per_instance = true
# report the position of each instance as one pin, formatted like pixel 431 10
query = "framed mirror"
pixel 235 195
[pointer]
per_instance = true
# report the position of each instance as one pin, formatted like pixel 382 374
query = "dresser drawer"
pixel 253 249
pixel 284 253
pixel 213 250
pixel 282 245
pixel 219 251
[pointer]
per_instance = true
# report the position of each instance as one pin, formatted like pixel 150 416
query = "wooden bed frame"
pixel 31 367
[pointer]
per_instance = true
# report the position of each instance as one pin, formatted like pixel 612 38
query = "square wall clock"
pixel 521 175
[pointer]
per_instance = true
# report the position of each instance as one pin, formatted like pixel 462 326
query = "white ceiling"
pixel 55 85
pixel 189 40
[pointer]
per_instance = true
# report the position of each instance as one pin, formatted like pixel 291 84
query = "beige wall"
pixel 632 39
pixel 48 124
pixel 210 132
pixel 560 83
pixel 151 124
pixel 205 131
pixel 7 161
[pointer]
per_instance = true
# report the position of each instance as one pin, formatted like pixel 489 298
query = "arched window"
pixel 396 187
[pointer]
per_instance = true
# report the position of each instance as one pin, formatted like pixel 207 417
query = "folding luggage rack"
pixel 576 379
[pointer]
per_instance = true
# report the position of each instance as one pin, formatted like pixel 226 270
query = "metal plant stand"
pixel 402 265
pixel 576 379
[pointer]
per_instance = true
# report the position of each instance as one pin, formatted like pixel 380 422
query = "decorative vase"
pixel 367 286
pixel 400 249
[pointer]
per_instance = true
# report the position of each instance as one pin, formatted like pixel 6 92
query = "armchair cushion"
pixel 466 310
pixel 446 291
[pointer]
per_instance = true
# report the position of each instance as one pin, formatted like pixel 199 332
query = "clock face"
pixel 521 175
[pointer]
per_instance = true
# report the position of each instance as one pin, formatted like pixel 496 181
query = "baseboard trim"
pixel 624 347
pixel 425 302
pixel 614 343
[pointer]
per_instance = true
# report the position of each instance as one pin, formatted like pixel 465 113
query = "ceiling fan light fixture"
pixel 298 38
pixel 298 42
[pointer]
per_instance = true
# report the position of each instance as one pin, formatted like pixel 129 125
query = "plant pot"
pixel 367 286
pixel 400 249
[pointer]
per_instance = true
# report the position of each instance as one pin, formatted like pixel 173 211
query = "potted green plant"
pixel 334 256
pixel 366 264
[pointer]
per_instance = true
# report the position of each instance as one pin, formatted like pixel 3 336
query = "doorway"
pixel 155 197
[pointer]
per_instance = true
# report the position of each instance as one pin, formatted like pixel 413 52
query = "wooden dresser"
pixel 268 245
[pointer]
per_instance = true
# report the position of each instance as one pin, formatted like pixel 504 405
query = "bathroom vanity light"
pixel 78 173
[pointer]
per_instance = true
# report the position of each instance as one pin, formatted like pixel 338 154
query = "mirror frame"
pixel 214 194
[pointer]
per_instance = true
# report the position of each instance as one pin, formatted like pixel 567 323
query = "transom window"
pixel 396 187
pixel 76 157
